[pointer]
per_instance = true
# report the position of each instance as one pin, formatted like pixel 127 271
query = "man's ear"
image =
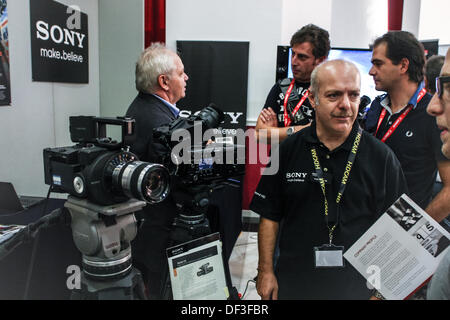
pixel 312 100
pixel 404 65
pixel 163 82
pixel 320 60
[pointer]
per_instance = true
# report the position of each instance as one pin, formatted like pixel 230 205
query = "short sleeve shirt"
pixel 293 197
pixel 416 143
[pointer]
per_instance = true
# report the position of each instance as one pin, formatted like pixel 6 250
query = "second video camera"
pixel 101 169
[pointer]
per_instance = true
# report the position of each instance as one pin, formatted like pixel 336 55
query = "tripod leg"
pixel 139 289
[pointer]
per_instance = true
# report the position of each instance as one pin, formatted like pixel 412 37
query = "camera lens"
pixel 142 180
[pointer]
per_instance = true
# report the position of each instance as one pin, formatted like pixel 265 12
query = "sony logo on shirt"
pixel 296 176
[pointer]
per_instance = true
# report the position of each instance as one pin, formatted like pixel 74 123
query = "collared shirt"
pixel 295 198
pixel 416 143
pixel 386 101
pixel 172 107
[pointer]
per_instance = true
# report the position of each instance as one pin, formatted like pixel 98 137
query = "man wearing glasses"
pixel 399 119
pixel 439 107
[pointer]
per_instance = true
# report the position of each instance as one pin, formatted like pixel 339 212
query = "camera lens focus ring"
pixel 127 175
pixel 144 181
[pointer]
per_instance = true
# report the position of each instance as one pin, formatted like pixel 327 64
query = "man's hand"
pixel 267 119
pixel 267 285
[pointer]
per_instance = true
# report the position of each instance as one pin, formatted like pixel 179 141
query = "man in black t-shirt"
pixel 287 108
pixel 400 120
pixel 334 181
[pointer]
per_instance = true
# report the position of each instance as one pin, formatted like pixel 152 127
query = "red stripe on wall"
pixel 155 21
pixel 395 14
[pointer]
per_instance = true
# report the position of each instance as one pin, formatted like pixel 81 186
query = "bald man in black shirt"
pixel 334 181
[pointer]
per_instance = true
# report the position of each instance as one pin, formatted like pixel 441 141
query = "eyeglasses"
pixel 440 81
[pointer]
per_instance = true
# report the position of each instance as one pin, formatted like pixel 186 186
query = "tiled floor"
pixel 243 263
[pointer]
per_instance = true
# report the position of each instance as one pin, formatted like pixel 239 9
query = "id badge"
pixel 329 256
pixel 327 178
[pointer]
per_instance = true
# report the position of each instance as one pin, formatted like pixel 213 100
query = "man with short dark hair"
pixel 287 108
pixel 161 82
pixel 399 119
pixel 334 181
pixel 433 67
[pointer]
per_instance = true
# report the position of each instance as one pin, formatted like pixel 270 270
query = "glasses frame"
pixel 440 81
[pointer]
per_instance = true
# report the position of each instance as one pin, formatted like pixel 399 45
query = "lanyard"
pixel 399 119
pixel 287 119
pixel 348 168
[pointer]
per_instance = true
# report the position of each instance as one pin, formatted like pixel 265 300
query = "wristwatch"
pixel 290 131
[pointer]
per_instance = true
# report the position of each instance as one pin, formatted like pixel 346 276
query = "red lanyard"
pixel 287 120
pixel 399 119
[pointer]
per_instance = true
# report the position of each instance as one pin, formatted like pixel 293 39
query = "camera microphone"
pixel 364 102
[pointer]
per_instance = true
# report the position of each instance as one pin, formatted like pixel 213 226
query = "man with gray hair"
pixel 334 181
pixel 161 82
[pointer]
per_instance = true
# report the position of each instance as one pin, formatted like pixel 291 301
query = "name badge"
pixel 326 177
pixel 329 256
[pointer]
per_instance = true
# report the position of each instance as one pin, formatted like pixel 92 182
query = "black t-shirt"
pixel 275 100
pixel 416 143
pixel 291 196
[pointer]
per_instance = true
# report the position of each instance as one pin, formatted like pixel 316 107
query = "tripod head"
pixel 103 235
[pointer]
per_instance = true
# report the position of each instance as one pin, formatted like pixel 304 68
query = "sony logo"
pixel 234 116
pixel 58 34
pixel 293 175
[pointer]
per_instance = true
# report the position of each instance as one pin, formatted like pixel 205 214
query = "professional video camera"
pixel 200 160
pixel 108 185
pixel 100 169
pixel 196 152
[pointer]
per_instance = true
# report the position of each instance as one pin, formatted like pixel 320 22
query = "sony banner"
pixel 218 73
pixel 59 42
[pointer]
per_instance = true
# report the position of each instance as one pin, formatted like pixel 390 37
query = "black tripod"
pixel 190 224
pixel 103 235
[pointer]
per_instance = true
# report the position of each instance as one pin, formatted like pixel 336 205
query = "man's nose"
pixel 345 102
pixel 434 107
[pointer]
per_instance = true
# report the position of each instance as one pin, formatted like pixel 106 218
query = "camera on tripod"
pixel 197 154
pixel 101 169
pixel 107 184
pixel 200 160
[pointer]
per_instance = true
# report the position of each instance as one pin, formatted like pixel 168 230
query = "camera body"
pixel 193 160
pixel 100 169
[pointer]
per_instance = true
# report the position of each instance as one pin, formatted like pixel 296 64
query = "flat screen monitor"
pixel 431 47
pixel 360 57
